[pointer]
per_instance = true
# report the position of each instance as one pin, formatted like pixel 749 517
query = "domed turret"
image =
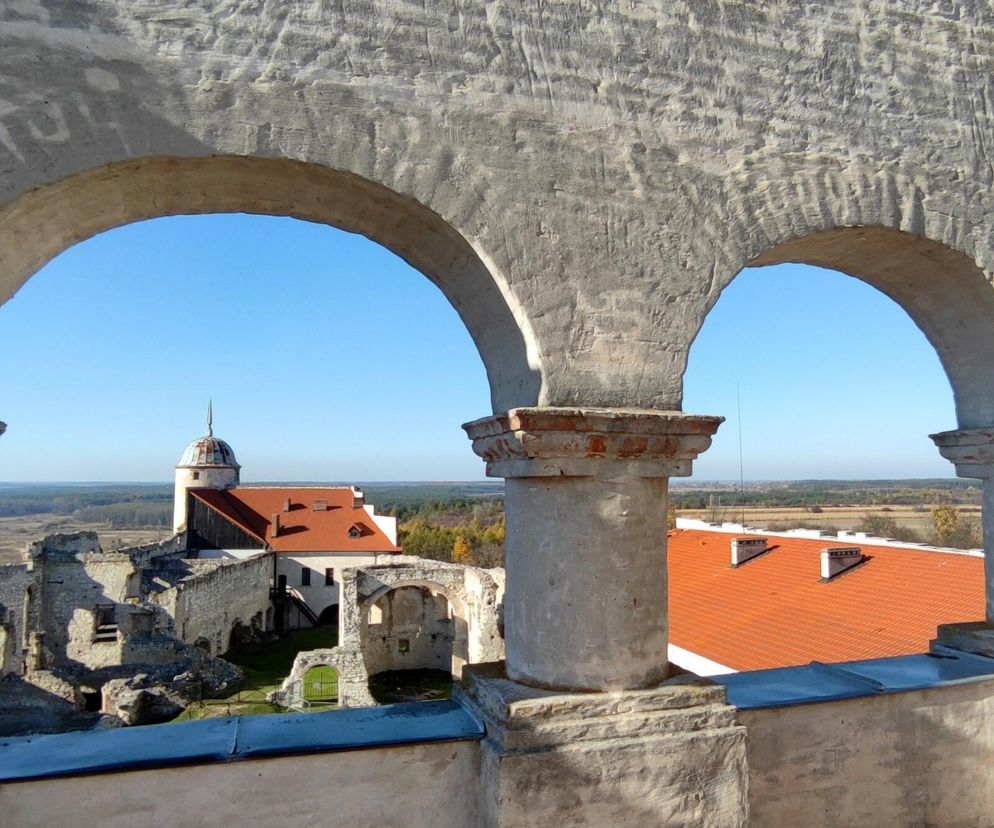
pixel 207 463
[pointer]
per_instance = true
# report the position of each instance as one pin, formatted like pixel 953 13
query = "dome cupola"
pixel 208 450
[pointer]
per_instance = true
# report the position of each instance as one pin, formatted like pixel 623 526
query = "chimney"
pixel 286 505
pixel 274 528
pixel 320 506
pixel 358 498
pixel 837 560
pixel 745 549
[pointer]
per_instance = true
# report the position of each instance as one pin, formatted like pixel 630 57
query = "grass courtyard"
pixel 265 666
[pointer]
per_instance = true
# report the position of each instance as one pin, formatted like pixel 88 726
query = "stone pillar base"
pixel 673 754
pixel 975 637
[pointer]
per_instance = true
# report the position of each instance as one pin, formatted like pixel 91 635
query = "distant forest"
pixel 830 493
pixel 464 522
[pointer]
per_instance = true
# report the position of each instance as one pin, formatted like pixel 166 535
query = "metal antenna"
pixel 738 407
pixel 210 418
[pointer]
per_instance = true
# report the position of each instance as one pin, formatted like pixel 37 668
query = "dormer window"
pixel 355 531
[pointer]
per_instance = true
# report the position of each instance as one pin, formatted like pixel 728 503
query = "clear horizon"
pixel 326 357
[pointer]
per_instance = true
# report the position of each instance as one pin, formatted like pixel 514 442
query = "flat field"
pixel 17 532
pixel 915 518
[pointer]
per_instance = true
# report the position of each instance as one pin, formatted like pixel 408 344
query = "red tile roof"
pixel 774 611
pixel 302 529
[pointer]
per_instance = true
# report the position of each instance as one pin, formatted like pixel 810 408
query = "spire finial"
pixel 210 418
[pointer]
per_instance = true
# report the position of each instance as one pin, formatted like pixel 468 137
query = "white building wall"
pixel 318 596
pixel 222 477
pixel 387 524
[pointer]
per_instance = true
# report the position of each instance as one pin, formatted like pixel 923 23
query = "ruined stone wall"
pixel 75 578
pixel 414 629
pixel 207 605
pixel 15 581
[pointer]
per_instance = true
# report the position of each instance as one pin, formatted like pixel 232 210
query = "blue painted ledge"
pixel 235 738
pixel 818 682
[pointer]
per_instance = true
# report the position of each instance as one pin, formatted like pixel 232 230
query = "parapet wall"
pixel 921 757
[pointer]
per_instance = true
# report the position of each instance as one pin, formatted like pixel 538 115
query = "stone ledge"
pixel 975 637
pixel 519 717
pixel 546 442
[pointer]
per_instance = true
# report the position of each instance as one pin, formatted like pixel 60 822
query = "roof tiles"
pixel 302 528
pixel 774 611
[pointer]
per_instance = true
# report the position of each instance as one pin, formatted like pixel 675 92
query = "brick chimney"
pixel 286 505
pixel 358 498
pixel 274 527
pixel 745 549
pixel 836 560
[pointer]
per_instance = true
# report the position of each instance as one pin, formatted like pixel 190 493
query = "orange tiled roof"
pixel 302 529
pixel 774 611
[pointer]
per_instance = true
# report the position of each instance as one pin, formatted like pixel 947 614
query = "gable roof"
pixel 775 611
pixel 302 528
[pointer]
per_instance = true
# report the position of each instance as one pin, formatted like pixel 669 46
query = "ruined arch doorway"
pixel 40 224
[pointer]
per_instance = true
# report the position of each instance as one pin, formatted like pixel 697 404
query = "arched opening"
pixel 42 223
pixel 419 237
pixel 321 686
pixel 329 616
pixel 834 383
pixel 414 640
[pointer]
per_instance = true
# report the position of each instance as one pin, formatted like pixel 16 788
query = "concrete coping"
pixel 819 682
pixel 236 738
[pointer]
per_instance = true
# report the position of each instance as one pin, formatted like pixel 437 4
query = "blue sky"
pixel 328 358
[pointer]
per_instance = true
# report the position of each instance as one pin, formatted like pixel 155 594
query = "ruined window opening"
pixel 329 576
pixel 93 701
pixel 375 615
pixel 403 646
pixel 305 576
pixel 196 475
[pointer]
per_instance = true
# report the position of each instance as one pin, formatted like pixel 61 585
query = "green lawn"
pixel 265 666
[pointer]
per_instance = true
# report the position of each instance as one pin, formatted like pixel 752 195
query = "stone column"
pixel 971 451
pixel 585 501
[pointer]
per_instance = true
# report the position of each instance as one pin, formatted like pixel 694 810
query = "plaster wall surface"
pixel 416 786
pixel 319 595
pixel 581 179
pixel 922 757
pixel 223 477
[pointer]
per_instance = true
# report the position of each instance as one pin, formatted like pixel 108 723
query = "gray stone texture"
pixel 581 179
pixel 670 755
pixel 409 596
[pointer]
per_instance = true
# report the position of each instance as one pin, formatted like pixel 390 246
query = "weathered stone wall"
pixel 76 577
pixel 470 634
pixel 468 631
pixel 206 605
pixel 416 630
pixel 15 580
pixel 922 757
pixel 581 179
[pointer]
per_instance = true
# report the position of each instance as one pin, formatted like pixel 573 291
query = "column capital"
pixel 587 442
pixel 970 450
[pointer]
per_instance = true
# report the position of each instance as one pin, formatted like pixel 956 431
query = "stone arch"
pixel 329 615
pixel 944 292
pixel 454 627
pixel 904 231
pixel 45 221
